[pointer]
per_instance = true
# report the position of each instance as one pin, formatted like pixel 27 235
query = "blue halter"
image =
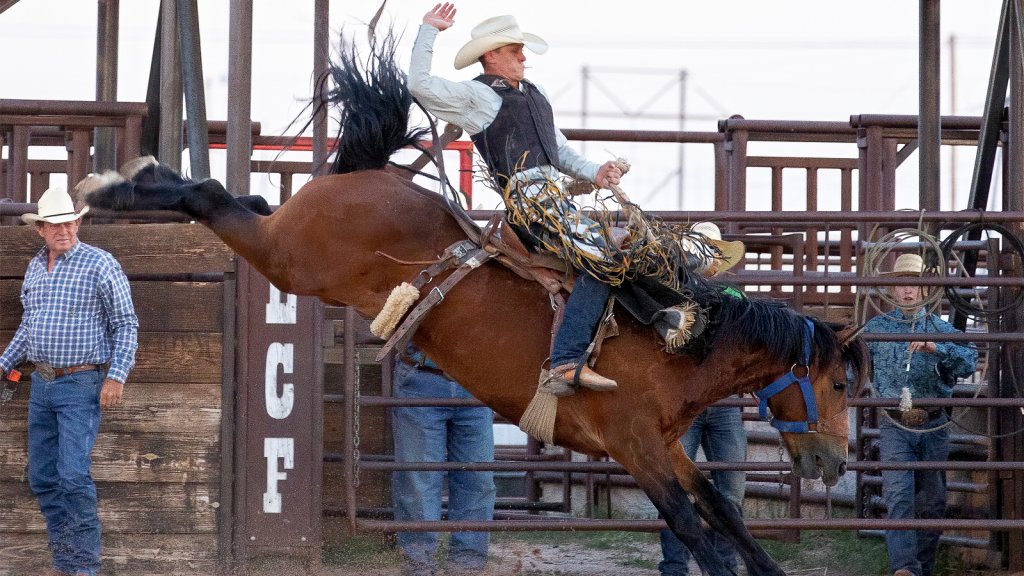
pixel 787 379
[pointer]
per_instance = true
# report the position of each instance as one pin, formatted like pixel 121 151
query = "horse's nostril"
pixel 842 468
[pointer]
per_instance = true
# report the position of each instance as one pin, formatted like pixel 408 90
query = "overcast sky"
pixel 795 60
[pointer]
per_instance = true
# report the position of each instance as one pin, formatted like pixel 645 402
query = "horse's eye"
pixel 836 385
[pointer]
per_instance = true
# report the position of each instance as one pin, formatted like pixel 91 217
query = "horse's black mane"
pixel 770 325
pixel 374 104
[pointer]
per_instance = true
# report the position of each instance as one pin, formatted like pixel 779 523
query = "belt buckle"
pixel 46 371
pixel 915 417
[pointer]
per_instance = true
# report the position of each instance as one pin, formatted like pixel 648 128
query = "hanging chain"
pixel 355 425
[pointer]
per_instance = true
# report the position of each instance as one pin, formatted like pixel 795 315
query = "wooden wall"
pixel 157 460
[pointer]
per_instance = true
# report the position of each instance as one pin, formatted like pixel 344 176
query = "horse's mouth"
pixel 830 475
pixel 828 469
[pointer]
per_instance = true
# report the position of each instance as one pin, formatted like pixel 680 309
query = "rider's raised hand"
pixel 442 16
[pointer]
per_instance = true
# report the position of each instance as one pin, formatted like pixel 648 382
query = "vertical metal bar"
pixel 1015 123
pixel 195 96
pixel 846 234
pixel 890 163
pixel 466 174
pixel 813 246
pixel 794 504
pixel 150 137
pixel 4 172
pixel 317 449
pixel 776 251
pixel 169 150
pixel 78 156
pixel 530 485
pixel 130 139
pixel 106 79
pixel 239 134
pixel 17 164
pixel 321 50
pixel 682 147
pixel 929 125
pixel 242 363
pixel 584 97
pixel 992 116
pixel 952 112
pixel 348 456
pixel 225 526
pixel 721 174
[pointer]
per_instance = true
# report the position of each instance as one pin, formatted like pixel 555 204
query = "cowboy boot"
pixel 587 378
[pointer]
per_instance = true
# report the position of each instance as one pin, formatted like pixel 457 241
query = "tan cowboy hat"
pixel 56 207
pixel 494 33
pixel 733 252
pixel 906 265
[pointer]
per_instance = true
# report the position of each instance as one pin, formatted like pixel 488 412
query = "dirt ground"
pixel 517 558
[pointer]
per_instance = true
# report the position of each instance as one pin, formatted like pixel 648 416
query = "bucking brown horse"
pixel 491 332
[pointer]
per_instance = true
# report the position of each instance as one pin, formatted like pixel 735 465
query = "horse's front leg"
pixel 722 515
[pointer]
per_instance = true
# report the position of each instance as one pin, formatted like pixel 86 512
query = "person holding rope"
pixel 512 125
pixel 80 330
pixel 920 369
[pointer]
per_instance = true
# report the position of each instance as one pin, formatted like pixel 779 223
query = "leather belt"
pixel 49 372
pixel 914 416
pixel 406 359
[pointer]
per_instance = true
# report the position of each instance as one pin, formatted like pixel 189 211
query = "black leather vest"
pixel 525 123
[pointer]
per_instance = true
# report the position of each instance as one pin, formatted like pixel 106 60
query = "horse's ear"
pixel 847 335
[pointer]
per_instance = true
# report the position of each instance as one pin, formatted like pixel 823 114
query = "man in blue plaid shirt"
pixel 80 330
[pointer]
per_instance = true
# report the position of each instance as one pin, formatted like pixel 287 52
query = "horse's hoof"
pixel 94 182
pixel 132 167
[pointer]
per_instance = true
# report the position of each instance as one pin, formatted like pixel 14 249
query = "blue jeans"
pixel 719 430
pixel 63 419
pixel 429 434
pixel 913 494
pixel 583 312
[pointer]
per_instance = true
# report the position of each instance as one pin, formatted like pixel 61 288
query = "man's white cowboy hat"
pixel 494 33
pixel 906 265
pixel 56 207
pixel 733 252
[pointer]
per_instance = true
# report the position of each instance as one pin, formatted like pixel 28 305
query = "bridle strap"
pixel 787 380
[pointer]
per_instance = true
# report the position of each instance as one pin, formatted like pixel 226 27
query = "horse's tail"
pixel 374 103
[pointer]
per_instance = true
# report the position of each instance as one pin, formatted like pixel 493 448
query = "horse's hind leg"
pixel 722 515
pixel 654 475
pixel 679 513
pixel 158 188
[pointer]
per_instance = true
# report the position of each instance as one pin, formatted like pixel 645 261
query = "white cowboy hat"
pixel 56 207
pixel 494 33
pixel 906 265
pixel 733 252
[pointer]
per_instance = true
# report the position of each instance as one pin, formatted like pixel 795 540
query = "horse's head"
pixel 809 403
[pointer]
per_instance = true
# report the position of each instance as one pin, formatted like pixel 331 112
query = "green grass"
pixel 362 549
pixel 832 549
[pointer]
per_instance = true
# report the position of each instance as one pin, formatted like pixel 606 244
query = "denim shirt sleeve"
pixel 959 360
pixel 930 375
